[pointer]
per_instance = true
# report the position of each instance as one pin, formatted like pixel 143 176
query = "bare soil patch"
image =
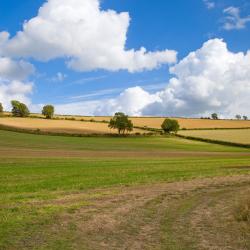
pixel 196 214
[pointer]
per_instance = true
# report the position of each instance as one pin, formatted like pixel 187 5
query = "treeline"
pixel 215 116
pixel 20 109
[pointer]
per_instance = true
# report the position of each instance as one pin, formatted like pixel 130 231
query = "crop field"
pixel 59 126
pixel 121 193
pixel 188 123
pixel 234 135
pixel 155 122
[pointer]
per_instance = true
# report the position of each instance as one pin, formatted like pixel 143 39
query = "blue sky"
pixel 180 25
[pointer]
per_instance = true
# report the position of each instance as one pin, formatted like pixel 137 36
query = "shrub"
pixel 170 125
pixel 48 111
pixel 19 109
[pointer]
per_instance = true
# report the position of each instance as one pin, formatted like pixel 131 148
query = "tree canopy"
pixel 170 125
pixel 48 111
pixel 1 108
pixel 19 109
pixel 215 116
pixel 121 122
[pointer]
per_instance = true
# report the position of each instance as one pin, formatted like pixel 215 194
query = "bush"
pixel 19 109
pixel 170 125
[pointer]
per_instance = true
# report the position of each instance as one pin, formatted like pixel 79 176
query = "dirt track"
pixel 196 214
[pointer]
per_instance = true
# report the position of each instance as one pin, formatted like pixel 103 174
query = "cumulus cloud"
pixel 210 79
pixel 86 36
pixel 233 19
pixel 15 70
pixel 12 81
pixel 14 90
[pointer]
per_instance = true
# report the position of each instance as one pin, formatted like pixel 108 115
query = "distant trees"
pixel 19 109
pixel 238 117
pixel 170 125
pixel 48 111
pixel 1 108
pixel 245 117
pixel 215 116
pixel 121 122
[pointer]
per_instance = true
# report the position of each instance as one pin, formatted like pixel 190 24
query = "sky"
pixel 145 58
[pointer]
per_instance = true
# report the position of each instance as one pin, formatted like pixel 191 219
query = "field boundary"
pixel 225 143
pixel 40 132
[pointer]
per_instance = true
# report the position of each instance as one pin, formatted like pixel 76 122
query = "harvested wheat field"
pixel 59 126
pixel 229 135
pixel 155 122
pixel 189 123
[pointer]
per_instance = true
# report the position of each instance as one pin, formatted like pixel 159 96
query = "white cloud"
pixel 86 36
pixel 210 79
pixel 209 4
pixel 233 19
pixel 14 90
pixel 15 70
pixel 12 77
pixel 59 77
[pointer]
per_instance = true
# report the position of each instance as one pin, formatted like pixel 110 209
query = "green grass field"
pixel 71 193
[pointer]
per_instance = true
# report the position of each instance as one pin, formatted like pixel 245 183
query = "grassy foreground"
pixel 63 193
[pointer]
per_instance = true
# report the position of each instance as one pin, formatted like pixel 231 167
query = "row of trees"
pixel 215 116
pixel 20 109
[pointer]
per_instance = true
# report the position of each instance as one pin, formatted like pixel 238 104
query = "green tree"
pixel 245 118
pixel 170 125
pixel 121 122
pixel 238 117
pixel 215 116
pixel 19 109
pixel 1 108
pixel 48 111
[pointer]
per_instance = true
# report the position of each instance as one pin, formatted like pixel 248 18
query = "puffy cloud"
pixel 233 19
pixel 12 85
pixel 86 36
pixel 14 90
pixel 131 101
pixel 13 70
pixel 210 79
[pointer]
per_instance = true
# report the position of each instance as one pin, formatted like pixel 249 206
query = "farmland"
pixel 136 193
pixel 188 123
pixel 228 135
pixel 59 126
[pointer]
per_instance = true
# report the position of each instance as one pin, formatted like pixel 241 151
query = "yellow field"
pixel 230 135
pixel 60 126
pixel 189 123
pixel 155 122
